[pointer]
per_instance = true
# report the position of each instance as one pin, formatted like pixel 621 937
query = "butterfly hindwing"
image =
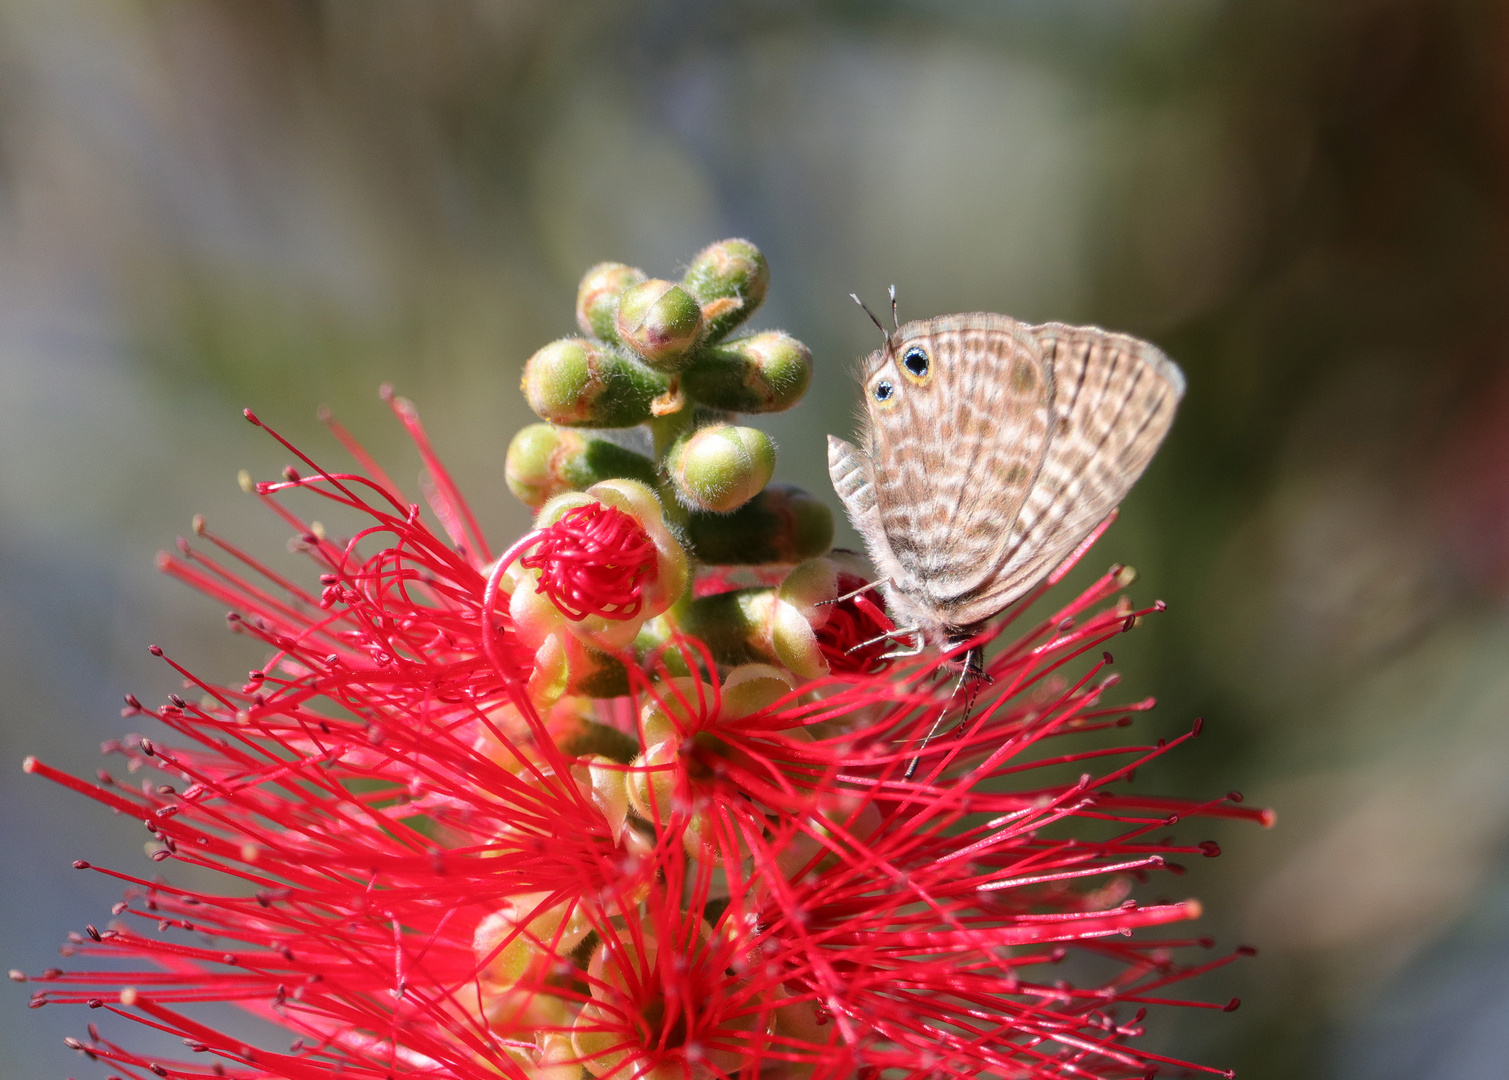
pixel 1114 401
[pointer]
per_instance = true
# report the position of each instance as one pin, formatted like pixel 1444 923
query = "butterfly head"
pixel 906 360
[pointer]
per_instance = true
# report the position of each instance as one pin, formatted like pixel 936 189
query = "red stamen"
pixel 594 561
pixel 851 622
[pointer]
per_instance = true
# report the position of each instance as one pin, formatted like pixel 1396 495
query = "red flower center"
pixel 594 561
pixel 850 624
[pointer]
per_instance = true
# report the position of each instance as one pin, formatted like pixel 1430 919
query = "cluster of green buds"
pixel 658 356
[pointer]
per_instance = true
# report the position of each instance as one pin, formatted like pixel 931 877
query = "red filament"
pixel 853 639
pixel 594 561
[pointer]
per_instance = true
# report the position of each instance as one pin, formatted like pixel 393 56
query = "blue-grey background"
pixel 205 206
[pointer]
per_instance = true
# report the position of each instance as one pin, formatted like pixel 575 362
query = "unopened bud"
pixel 812 635
pixel 767 372
pixel 651 785
pixel 597 297
pixel 578 382
pixel 721 467
pixel 660 321
pixel 565 664
pixel 782 524
pixel 729 280
pixel 735 625
pixel 544 461
pixel 750 688
pixel 522 933
pixel 607 781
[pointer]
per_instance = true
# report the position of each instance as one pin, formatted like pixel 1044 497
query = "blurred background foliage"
pixel 205 206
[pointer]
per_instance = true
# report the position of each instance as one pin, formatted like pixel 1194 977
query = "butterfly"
pixel 989 450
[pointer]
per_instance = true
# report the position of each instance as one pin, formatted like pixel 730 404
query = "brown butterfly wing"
pixel 954 456
pixel 1114 398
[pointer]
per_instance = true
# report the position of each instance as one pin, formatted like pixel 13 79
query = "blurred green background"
pixel 205 206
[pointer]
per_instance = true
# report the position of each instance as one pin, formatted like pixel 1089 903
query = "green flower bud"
pixel 565 664
pixel 782 524
pixel 735 625
pixel 609 786
pixel 577 382
pixel 660 321
pixel 721 467
pixel 593 739
pixel 729 280
pixel 802 610
pixel 597 297
pixel 752 687
pixel 768 372
pixel 505 952
pixel 544 461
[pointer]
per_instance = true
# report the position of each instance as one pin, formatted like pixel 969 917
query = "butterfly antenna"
pixel 895 319
pixel 878 324
pixel 973 674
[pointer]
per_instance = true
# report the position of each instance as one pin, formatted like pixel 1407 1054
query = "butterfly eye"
pixel 884 390
pixel 915 361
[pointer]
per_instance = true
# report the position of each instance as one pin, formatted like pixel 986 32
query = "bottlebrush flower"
pixel 562 809
pixel 780 901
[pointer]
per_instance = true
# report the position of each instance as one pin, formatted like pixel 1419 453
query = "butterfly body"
pixel 989 449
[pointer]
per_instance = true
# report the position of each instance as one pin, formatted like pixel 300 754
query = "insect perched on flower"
pixel 991 450
pixel 606 802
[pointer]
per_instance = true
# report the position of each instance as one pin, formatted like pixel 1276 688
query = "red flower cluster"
pixel 436 868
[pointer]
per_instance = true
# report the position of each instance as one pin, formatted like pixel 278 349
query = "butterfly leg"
pixel 850 595
pixel 918 643
pixel 905 631
pixel 972 673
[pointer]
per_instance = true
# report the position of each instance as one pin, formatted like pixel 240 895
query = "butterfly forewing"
pixel 982 410
pixel 1114 400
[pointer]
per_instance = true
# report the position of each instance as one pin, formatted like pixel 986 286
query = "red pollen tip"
pixel 594 561
pixel 251 416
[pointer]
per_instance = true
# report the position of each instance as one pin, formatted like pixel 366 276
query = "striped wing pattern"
pixel 975 483
pixel 1114 401
pixel 983 411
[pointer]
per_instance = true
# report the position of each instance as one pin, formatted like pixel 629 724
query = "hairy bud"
pixel 660 321
pixel 767 372
pixel 729 280
pixel 581 383
pixel 721 467
pixel 597 297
